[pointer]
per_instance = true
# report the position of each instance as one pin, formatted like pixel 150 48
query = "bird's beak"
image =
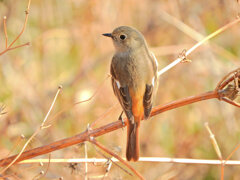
pixel 107 34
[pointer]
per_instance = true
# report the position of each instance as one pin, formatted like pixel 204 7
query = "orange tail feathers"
pixel 132 152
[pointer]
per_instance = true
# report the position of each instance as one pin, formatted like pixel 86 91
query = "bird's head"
pixel 126 38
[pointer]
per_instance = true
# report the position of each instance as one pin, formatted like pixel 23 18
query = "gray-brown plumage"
pixel 134 79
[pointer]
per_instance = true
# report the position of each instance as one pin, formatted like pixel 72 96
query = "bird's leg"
pixel 121 119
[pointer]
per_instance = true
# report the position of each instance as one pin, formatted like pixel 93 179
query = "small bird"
pixel 134 81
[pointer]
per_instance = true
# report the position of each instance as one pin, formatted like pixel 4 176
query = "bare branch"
pixel 21 45
pixel 188 52
pixel 84 136
pixel 214 141
pixel 19 35
pixel 92 140
pixel 42 126
pixel 111 160
pixel 141 159
pixel 5 31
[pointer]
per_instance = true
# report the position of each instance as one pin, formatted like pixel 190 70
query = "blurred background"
pixel 67 48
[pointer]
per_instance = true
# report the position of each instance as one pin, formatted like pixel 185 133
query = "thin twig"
pixel 18 46
pixel 38 176
pixel 42 126
pixel 20 34
pixel 222 29
pixel 214 141
pixel 5 31
pixel 188 52
pixel 231 102
pixel 226 79
pixel 47 168
pixel 141 159
pixel 104 115
pixel 110 127
pixel 19 140
pixel 51 107
pixel 86 165
pixel 194 34
pixel 24 25
pixel 79 102
pixel 216 147
pixel 109 165
pixel 92 140
pixel 227 160
pixel 110 159
pixel 105 129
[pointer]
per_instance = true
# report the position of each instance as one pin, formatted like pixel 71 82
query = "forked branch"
pixel 10 47
pixel 221 93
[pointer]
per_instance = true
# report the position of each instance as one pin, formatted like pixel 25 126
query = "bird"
pixel 133 72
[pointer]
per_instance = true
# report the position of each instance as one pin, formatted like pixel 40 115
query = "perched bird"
pixel 134 80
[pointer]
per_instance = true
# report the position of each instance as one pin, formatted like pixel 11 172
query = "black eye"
pixel 122 37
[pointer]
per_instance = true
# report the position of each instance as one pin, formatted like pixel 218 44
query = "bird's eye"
pixel 122 37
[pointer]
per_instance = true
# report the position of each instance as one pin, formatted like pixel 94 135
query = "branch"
pixel 220 92
pixel 185 53
pixel 84 136
pixel 41 127
pixel 18 46
pixel 109 161
pixel 92 140
pixel 5 31
pixel 186 29
pixel 19 35
pixel 141 159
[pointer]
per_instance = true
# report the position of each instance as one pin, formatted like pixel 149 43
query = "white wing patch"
pixel 118 84
pixel 155 59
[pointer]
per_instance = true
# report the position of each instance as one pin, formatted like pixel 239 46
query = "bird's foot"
pixel 121 119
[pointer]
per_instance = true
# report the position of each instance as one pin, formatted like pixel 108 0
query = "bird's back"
pixel 133 67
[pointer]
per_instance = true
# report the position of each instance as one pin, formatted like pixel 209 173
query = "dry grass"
pixel 67 48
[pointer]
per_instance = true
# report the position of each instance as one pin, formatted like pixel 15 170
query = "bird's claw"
pixel 121 119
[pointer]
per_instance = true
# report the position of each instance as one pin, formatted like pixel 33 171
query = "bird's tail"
pixel 132 152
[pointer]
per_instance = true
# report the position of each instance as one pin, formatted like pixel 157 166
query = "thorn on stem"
pixel 22 136
pixel 60 86
pixel 183 56
pixel 109 165
pixel 41 164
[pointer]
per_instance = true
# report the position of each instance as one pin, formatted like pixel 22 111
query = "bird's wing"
pixel 147 100
pixel 122 94
pixel 151 89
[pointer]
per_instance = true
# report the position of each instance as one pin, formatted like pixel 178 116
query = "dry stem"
pixel 218 93
pixel 19 35
pixel 141 159
pixel 92 140
pixel 104 129
pixel 188 52
pixel 42 126
pixel 5 31
pixel 214 141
